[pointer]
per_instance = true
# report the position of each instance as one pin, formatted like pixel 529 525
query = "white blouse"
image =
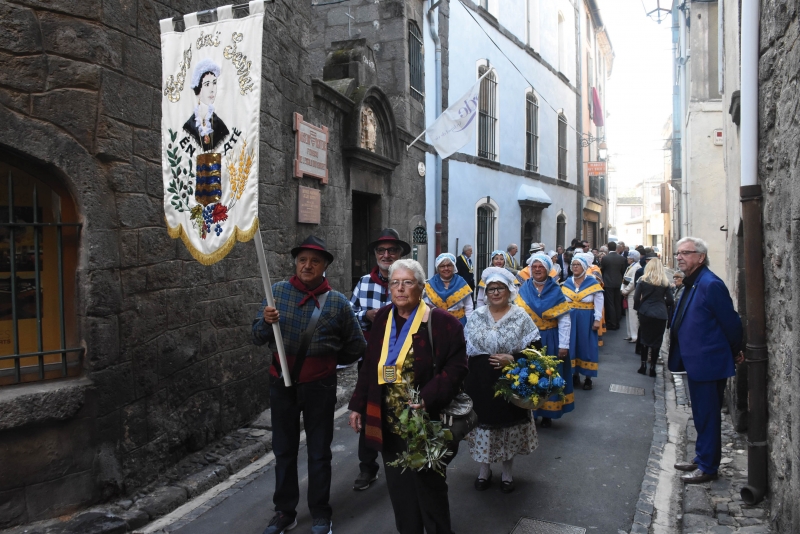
pixel 511 333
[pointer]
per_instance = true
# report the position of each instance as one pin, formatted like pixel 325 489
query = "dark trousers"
pixel 612 303
pixel 707 399
pixel 316 400
pixel 419 498
pixel 367 456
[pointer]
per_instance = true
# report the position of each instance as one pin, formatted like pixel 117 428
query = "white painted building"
pixel 517 182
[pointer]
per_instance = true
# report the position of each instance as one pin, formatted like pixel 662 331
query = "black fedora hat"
pixel 390 235
pixel 313 242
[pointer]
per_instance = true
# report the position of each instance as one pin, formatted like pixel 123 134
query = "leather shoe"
pixel 507 486
pixel 686 466
pixel 482 484
pixel 698 477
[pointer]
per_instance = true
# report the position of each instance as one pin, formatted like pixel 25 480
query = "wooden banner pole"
pixel 262 263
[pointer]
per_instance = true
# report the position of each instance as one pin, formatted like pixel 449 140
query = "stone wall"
pixel 169 365
pixel 779 175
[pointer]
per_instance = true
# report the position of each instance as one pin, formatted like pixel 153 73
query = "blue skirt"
pixel 554 408
pixel 583 350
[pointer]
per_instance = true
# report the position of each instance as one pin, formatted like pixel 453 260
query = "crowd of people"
pixel 442 334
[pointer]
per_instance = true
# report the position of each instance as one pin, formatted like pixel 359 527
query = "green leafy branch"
pixel 426 440
pixel 181 185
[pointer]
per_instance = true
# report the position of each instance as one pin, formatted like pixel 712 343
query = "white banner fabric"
pixel 455 127
pixel 210 110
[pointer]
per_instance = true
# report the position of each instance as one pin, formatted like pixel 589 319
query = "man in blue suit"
pixel 705 341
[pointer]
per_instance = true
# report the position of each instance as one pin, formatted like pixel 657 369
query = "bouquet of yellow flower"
pixel 528 382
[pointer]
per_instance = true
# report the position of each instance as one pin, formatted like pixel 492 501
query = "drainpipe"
pixel 433 27
pixel 750 193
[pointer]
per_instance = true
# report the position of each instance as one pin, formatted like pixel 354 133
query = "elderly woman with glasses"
pixel 399 355
pixel 585 295
pixel 496 334
pixel 498 260
pixel 541 297
pixel 447 290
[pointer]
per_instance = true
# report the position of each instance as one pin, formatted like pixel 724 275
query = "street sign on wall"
pixel 311 150
pixel 597 168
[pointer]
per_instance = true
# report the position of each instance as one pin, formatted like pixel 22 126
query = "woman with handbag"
pixel 399 354
pixel 628 285
pixel 541 297
pixel 495 333
pixel 651 299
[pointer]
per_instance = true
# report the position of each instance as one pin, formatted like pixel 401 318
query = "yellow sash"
pixel 401 357
pixel 454 299
pixel 541 324
pixel 582 305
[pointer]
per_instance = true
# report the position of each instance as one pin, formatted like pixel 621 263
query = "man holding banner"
pixel 319 330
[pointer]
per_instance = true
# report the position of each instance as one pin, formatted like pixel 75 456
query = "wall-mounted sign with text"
pixel 597 168
pixel 311 150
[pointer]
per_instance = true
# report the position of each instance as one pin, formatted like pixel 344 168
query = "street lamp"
pixel 654 10
pixel 602 151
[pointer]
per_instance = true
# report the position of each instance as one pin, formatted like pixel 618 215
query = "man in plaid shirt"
pixel 337 334
pixel 370 294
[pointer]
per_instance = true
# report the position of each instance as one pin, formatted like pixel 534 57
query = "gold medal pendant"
pixel 389 373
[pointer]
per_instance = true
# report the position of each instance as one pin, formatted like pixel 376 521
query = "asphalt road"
pixel 587 471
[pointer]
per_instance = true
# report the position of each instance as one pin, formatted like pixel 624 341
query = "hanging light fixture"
pixel 654 9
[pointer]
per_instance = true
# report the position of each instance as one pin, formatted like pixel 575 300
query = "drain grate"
pixel 627 390
pixel 528 525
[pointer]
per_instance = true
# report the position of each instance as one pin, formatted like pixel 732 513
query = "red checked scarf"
pixel 310 293
pixel 375 276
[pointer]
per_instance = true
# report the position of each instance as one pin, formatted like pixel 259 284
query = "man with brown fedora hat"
pixel 370 294
pixel 312 351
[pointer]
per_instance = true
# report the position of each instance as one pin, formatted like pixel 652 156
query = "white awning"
pixel 531 193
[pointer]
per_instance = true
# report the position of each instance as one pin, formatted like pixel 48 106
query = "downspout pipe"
pixel 756 355
pixel 433 27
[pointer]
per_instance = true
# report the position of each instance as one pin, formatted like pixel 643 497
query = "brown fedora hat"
pixel 390 235
pixel 313 243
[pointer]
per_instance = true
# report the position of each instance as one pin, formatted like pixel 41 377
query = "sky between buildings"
pixel 639 93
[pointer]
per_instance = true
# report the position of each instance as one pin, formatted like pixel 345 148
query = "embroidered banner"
pixel 210 109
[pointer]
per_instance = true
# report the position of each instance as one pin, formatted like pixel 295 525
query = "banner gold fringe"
pixel 210 259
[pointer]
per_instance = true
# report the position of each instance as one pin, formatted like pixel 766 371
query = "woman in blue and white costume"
pixel 541 297
pixel 498 259
pixel 585 295
pixel 447 290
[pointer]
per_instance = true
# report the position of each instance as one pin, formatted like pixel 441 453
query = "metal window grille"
pixel 487 115
pixel 562 147
pixel 597 187
pixel 531 132
pixel 416 62
pixel 485 238
pixel 23 259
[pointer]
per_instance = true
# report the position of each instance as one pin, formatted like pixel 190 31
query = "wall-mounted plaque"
pixel 311 150
pixel 309 205
pixel 597 168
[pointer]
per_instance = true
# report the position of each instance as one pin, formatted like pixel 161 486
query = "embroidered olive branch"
pixel 180 186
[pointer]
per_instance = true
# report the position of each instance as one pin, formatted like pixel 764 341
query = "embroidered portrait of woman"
pixel 204 125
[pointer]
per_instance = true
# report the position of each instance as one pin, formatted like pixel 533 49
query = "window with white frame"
pixel 416 62
pixel 562 146
pixel 532 23
pixel 531 131
pixel 487 114
pixel 562 61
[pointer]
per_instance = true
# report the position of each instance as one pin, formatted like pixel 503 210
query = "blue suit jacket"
pixel 708 333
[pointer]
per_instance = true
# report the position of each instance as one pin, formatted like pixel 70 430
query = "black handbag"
pixel 459 416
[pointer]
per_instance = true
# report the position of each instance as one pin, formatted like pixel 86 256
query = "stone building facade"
pixel 167 364
pixel 778 173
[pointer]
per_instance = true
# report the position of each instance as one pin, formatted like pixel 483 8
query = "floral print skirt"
pixel 501 444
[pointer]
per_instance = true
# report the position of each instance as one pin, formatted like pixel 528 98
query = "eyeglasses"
pixel 495 290
pixel 408 284
pixel 391 250
pixel 685 252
